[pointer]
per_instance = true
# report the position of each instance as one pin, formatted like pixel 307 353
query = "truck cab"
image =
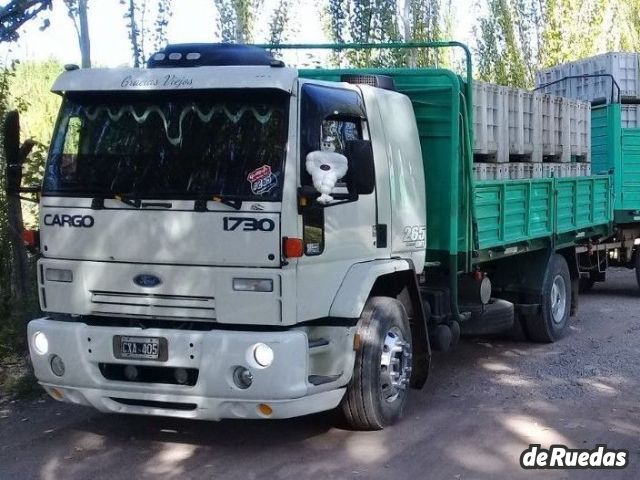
pixel 205 254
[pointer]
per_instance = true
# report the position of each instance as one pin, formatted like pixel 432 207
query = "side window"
pixel 71 149
pixel 336 132
pixel 330 117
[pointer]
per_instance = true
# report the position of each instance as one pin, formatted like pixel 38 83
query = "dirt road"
pixel 484 404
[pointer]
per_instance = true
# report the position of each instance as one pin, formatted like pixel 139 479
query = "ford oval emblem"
pixel 146 280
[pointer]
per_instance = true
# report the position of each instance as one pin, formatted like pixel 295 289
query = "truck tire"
pixel 495 317
pixel 551 322
pixel 377 391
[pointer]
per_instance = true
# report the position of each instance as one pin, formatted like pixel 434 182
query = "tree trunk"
pixel 134 34
pixel 20 263
pixel 83 38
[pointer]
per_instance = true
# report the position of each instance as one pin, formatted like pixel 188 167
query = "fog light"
pixel 253 284
pixel 181 375
pixel 58 275
pixel 130 373
pixel 242 377
pixel 57 365
pixel 263 354
pixel 40 343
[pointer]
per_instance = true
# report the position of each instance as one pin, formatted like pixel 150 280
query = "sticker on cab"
pixel 262 180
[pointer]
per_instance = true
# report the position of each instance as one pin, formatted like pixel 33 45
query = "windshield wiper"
pixel 137 203
pixel 201 205
pixel 132 202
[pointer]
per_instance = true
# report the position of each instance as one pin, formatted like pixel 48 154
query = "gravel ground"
pixel 483 405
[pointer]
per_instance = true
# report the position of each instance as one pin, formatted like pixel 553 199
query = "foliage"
pixel 147 23
pixel 238 21
pixel 16 13
pixel 279 21
pixel 505 44
pixel 77 10
pixel 384 21
pixel 517 37
pixel 29 93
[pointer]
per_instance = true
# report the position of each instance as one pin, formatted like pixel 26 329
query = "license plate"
pixel 140 348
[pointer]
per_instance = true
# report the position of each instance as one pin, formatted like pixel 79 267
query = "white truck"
pixel 224 237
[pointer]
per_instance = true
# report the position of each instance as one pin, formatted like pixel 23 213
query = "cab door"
pixel 343 233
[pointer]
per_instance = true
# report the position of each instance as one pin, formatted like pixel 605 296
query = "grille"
pixel 154 305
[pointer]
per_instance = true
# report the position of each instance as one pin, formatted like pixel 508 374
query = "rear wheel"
pixel 377 391
pixel 551 322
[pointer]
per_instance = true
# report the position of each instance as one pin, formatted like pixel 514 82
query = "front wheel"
pixel 551 322
pixel 377 391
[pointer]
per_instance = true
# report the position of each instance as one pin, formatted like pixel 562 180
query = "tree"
pixel 236 19
pixel 147 23
pixel 77 10
pixel 279 21
pixel 507 42
pixel 18 12
pixel 383 21
pixel 518 37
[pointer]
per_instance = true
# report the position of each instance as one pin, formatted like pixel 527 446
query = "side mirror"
pixel 362 173
pixel 11 134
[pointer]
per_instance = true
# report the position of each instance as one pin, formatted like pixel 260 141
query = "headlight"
pixel 40 343
pixel 263 354
pixel 58 275
pixel 253 284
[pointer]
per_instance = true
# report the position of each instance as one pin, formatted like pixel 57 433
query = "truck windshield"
pixel 179 145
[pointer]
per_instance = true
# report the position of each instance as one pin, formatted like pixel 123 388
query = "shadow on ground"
pixel 484 404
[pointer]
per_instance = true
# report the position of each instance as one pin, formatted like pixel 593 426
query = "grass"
pixel 17 380
pixel 16 375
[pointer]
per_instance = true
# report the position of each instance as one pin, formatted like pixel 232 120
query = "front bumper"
pixel 283 386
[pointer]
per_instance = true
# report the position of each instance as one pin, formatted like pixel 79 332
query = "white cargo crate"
pixel 630 116
pixel 585 169
pixel 525 124
pixel 519 126
pixel 533 170
pixel 502 171
pixel 624 67
pixel 555 74
pixel 490 122
pixel 484 171
pixel 516 171
pixel 551 126
pixel 579 114
pixel 550 170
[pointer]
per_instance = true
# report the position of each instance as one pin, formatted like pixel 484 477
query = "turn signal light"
pixel 31 238
pixel 292 247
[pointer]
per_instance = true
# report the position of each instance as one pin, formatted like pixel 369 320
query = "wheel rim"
pixel 558 299
pixel 395 365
